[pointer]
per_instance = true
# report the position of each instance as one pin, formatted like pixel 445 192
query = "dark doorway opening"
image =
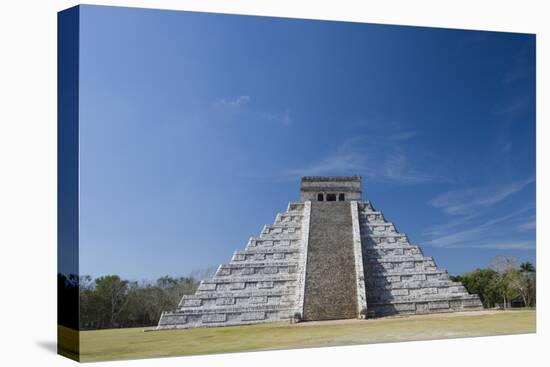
pixel 341 197
pixel 320 197
pixel 331 197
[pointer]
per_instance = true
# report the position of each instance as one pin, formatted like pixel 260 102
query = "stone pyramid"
pixel 329 256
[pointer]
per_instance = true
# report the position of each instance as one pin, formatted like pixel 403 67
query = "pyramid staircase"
pixel 323 261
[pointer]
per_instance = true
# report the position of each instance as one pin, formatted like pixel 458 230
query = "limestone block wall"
pixel 262 283
pixel 399 278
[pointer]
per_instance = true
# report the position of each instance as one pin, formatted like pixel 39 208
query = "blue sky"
pixel 195 129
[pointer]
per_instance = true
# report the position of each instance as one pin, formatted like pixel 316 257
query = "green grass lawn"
pixel 136 343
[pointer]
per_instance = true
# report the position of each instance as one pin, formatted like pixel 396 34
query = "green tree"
pixel 110 301
pixel 504 266
pixel 527 267
pixel 507 286
pixel 481 282
pixel 111 294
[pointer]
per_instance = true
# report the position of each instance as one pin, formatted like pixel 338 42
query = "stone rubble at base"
pixel 267 280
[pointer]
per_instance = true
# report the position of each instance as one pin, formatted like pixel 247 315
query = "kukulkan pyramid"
pixel 329 256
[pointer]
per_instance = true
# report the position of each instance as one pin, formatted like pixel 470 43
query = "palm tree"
pixel 527 267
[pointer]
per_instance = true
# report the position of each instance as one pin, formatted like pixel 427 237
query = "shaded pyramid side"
pixel 399 278
pixel 262 283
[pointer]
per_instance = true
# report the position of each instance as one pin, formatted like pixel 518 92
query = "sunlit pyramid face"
pixel 329 256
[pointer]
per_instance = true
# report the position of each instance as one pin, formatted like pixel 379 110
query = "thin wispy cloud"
pixel 239 101
pixel 512 106
pixel 529 225
pixel 476 234
pixel 286 120
pixel 398 168
pixel 475 222
pixel 242 106
pixel 468 201
pixel 506 245
pixel 283 118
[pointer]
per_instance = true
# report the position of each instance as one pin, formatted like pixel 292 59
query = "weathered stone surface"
pixel 330 289
pixel 248 316
pixel 399 278
pixel 258 285
pixel 214 318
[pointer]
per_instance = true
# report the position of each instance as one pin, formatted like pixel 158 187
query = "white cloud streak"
pixel 468 201
pixel 476 235
pixel 242 105
pixel 528 226
pixel 282 118
pixel 239 101
pixel 469 206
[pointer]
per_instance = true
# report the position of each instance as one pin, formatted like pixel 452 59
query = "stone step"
pixel 366 206
pixel 182 320
pixel 270 250
pixel 258 242
pixel 369 214
pixel 249 269
pixel 421 265
pixel 282 218
pixel 393 251
pixel 377 226
pixel 416 293
pixel 369 244
pixel 295 211
pixel 469 302
pixel 242 293
pixel 295 206
pixel 216 301
pixel 392 245
pixel 398 258
pixel 387 231
pixel 264 257
pixel 379 237
pixel 433 297
pixel 261 253
pixel 250 279
pixel 285 225
pixel 280 236
pixel 387 273
pixel 259 264
pixel 236 308
pixel 411 284
pixel 280 230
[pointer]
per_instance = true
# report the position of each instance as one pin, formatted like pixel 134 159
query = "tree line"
pixel 112 302
pixel 503 284
pixel 109 301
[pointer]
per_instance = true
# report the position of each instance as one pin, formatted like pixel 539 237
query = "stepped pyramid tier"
pixel 328 256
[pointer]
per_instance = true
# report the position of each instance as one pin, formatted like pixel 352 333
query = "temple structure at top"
pixel 331 255
pixel 330 188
